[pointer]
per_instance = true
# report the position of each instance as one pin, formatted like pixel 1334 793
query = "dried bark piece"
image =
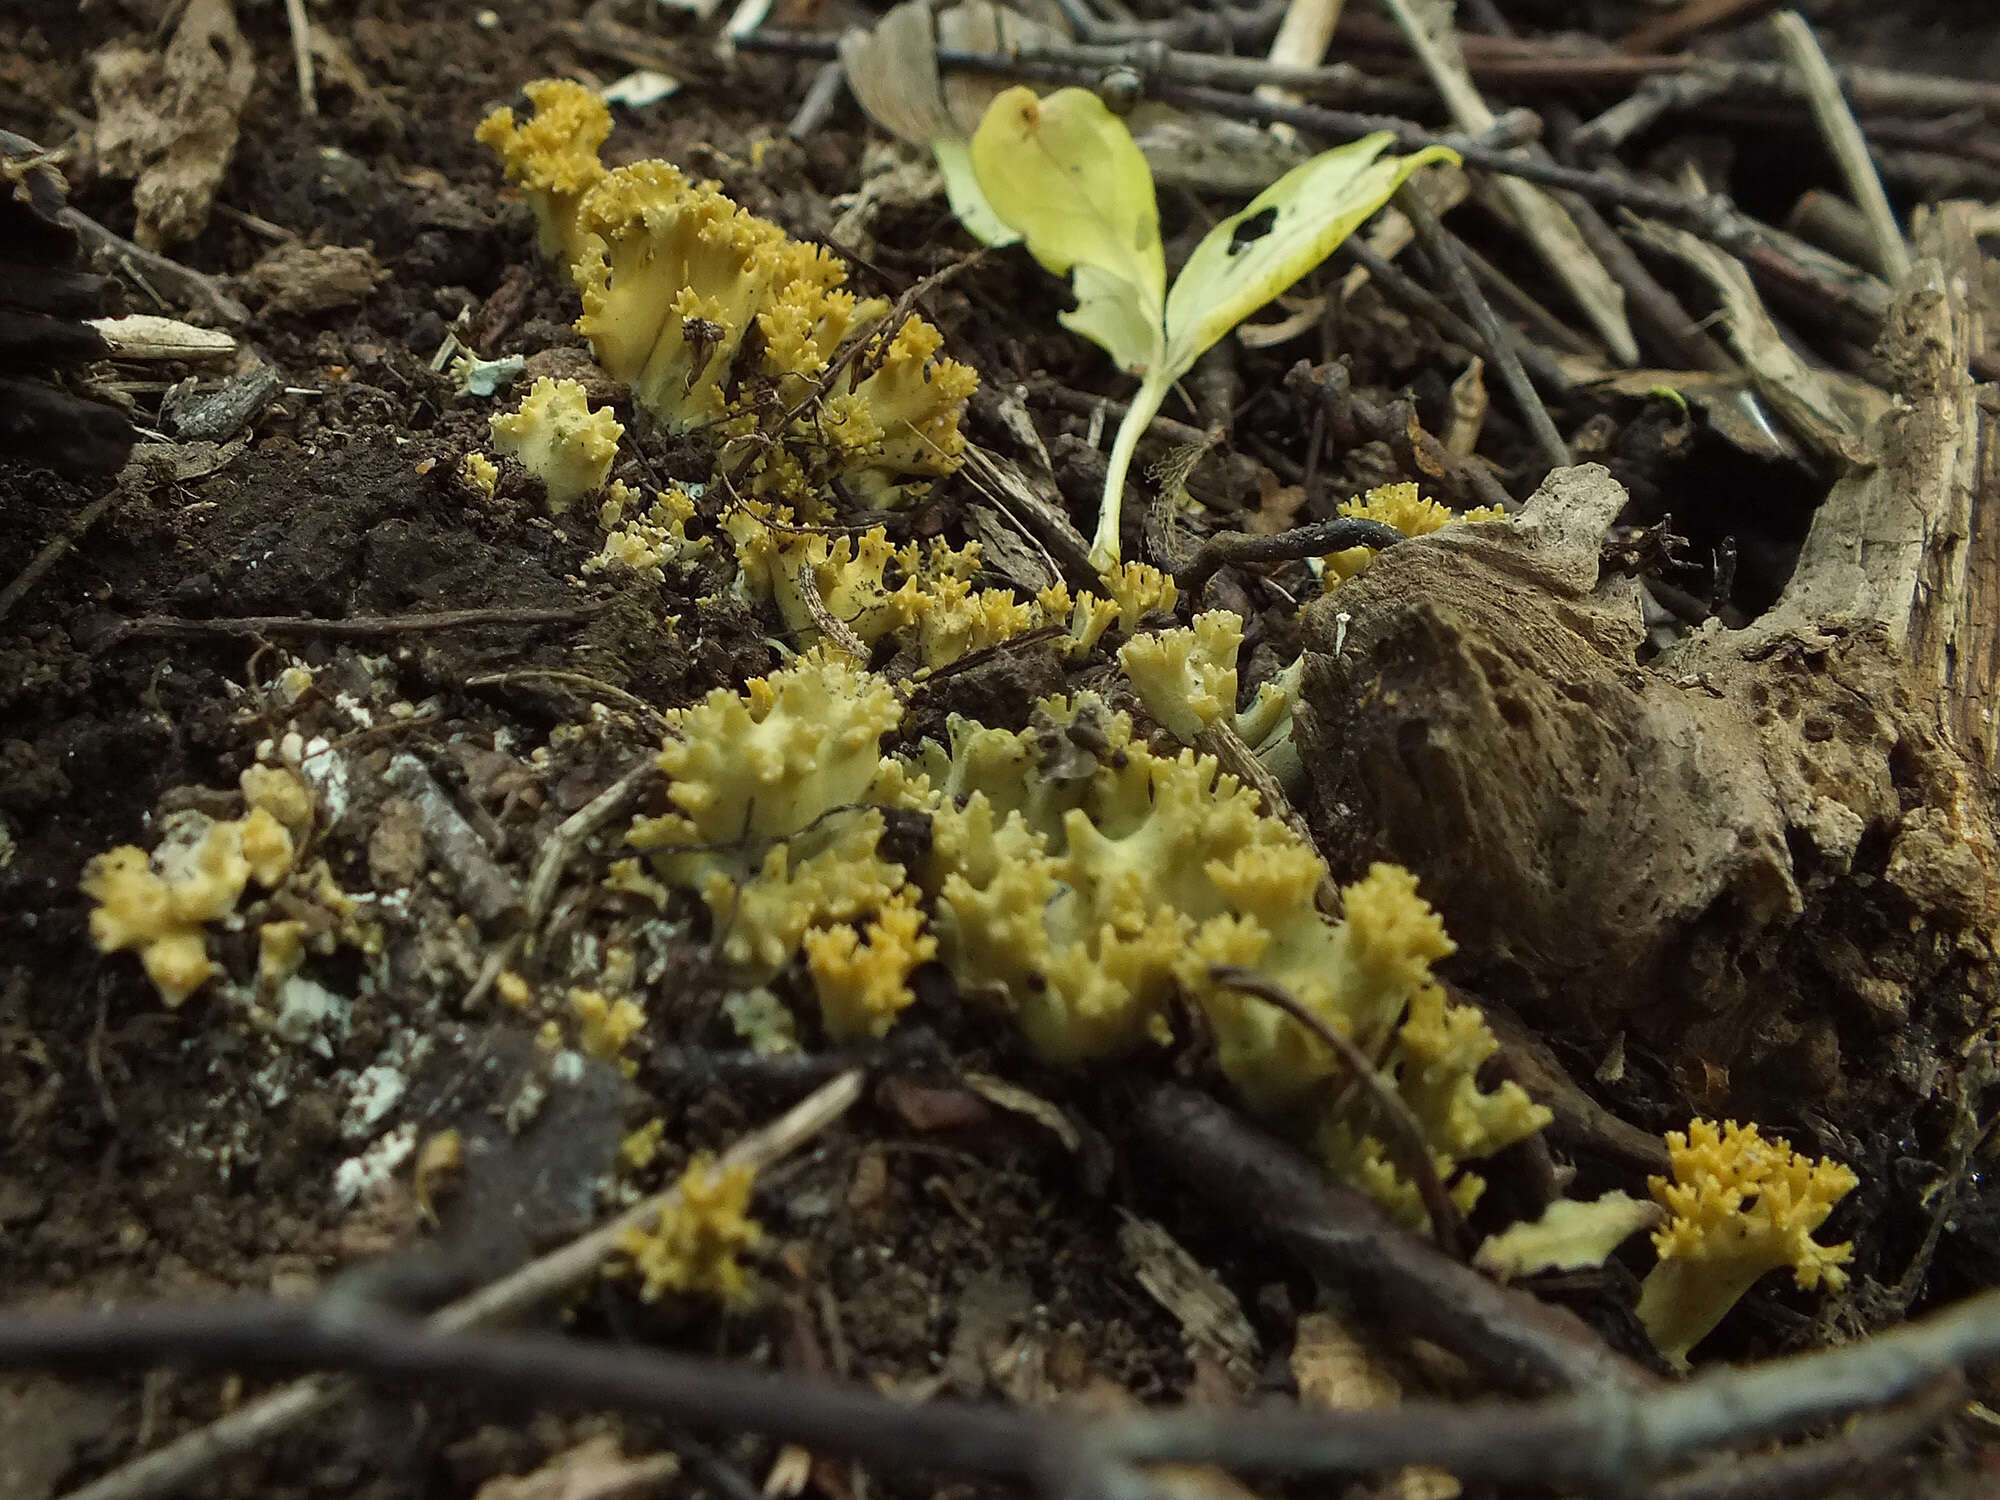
pixel 1758 851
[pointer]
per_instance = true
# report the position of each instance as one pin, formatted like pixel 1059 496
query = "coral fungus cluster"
pixel 1082 895
pixel 680 285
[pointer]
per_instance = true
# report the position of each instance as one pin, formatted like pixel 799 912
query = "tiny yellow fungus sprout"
pixel 480 472
pixel 1740 1206
pixel 281 948
pixel 1400 506
pixel 280 793
pixel 606 1027
pixel 560 440
pixel 693 1249
pixel 158 905
pixel 864 985
pixel 648 542
pixel 637 1150
pixel 553 155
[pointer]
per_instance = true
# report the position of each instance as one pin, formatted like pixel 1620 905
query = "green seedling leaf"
pixel 967 200
pixel 1288 229
pixel 1065 172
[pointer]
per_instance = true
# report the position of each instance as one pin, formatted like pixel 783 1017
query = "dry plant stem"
pixel 168 1470
pixel 1844 139
pixel 569 835
pixel 302 55
pixel 1516 63
pixel 360 626
pixel 1238 549
pixel 1349 1241
pixel 1353 417
pixel 1406 1143
pixel 1410 295
pixel 202 294
pixel 1511 296
pixel 1689 19
pixel 1610 1437
pixel 1640 110
pixel 38 567
pixel 1650 303
pixel 1302 39
pixel 822 98
pixel 1814 1468
pixel 1443 251
pixel 1426 25
pixel 596 687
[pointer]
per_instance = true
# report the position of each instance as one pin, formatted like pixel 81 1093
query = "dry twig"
pixel 357 626
pixel 1406 1142
pixel 1844 139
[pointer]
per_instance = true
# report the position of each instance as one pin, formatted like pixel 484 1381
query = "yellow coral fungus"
pixel 279 792
pixel 840 586
pixel 606 1026
pixel 560 440
pixel 693 1249
pixel 672 275
pixel 915 399
pixel 1400 506
pixel 553 155
pixel 1139 590
pixel 812 574
pixel 158 905
pixel 1085 898
pixel 1740 1206
pixel 863 985
pixel 480 472
pixel 1187 678
pixel 768 828
pixel 1434 1067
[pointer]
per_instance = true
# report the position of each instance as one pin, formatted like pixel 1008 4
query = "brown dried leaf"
pixel 171 119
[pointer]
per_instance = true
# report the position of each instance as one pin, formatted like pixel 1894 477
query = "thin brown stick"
pixel 596 687
pixel 1609 1436
pixel 1690 19
pixel 1406 1136
pixel 1349 1241
pixel 1352 417
pixel 202 294
pixel 39 565
pixel 358 626
pixel 1844 139
pixel 1238 549
pixel 1415 298
pixel 1651 304
pixel 1869 1443
pixel 1443 250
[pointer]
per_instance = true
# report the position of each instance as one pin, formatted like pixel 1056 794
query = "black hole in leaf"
pixel 1252 230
